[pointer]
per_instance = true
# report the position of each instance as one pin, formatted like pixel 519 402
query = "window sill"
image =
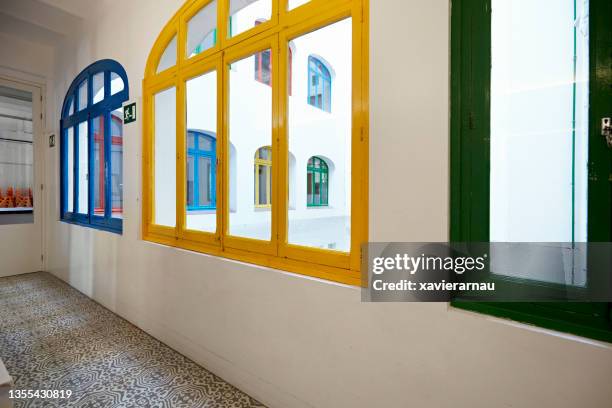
pixel 105 228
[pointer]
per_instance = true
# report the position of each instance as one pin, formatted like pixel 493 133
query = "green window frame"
pixel 470 160
pixel 317 179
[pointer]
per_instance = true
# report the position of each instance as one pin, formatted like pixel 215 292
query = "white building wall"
pixel 292 341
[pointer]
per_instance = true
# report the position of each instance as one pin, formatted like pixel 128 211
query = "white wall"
pixel 297 342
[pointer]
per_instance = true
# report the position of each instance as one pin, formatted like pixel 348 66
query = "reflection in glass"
pixel 246 14
pixel 539 127
pixel 98 87
pixel 165 158
pixel 83 170
pixel 250 171
pixel 70 170
pixel 98 162
pixel 202 30
pixel 201 155
pixel 117 84
pixel 320 132
pixel 116 126
pixel 168 58
pixel 82 95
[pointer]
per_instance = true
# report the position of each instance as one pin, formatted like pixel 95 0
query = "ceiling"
pixel 43 21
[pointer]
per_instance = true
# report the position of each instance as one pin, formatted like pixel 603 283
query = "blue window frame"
pixel 91 143
pixel 319 84
pixel 201 171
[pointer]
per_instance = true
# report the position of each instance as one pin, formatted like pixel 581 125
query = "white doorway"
pixel 21 164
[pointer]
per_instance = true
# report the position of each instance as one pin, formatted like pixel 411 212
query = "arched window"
pixel 201 171
pixel 317 188
pixel 92 144
pixel 263 64
pixel 263 177
pixel 319 84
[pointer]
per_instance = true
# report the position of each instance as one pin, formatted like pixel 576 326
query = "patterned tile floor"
pixel 53 337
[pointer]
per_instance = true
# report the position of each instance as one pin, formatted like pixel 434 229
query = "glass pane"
pixel 315 132
pixel 83 173
pixel 191 140
pixel 263 185
pixel 202 30
pixel 16 157
pixel 82 94
pixel 205 144
pixel 98 162
pixel 202 127
pixel 246 14
pixel 190 182
pixel 204 182
pixel 165 158
pixel 70 170
pixel 291 4
pixel 168 58
pixel 71 107
pixel 98 87
pixel 117 163
pixel 250 128
pixel 539 126
pixel 117 84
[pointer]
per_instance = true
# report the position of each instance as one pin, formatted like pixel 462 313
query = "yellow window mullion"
pixel 181 181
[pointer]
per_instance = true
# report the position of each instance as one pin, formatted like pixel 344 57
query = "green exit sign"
pixel 129 113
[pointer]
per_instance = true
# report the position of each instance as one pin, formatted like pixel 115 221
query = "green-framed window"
pixel 529 86
pixel 317 180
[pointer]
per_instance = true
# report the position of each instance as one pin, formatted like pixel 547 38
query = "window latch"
pixel 606 130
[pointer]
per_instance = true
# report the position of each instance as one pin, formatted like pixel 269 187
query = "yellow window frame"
pixel 275 35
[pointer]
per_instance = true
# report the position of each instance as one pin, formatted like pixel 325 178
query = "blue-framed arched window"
pixel 319 84
pixel 201 171
pixel 91 152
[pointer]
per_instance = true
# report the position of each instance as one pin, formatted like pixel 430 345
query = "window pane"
pixel 291 4
pixel 201 137
pixel 204 179
pixel 70 170
pixel 117 163
pixel 98 162
pixel 246 14
pixel 315 132
pixel 250 128
pixel 168 58
pixel 16 157
pixel 98 87
pixel 117 84
pixel 190 182
pixel 165 158
pixel 83 173
pixel 202 30
pixel 82 94
pixel 539 126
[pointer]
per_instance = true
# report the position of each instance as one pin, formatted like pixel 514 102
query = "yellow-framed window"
pixel 238 71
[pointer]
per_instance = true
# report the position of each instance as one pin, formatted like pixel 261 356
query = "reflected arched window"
pixel 263 177
pixel 319 84
pixel 317 189
pixel 201 171
pixel 92 142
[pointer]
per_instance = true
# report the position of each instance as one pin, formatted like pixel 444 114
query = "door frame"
pixel 38 90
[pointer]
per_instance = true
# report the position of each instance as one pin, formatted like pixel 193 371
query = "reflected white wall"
pixel 538 164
